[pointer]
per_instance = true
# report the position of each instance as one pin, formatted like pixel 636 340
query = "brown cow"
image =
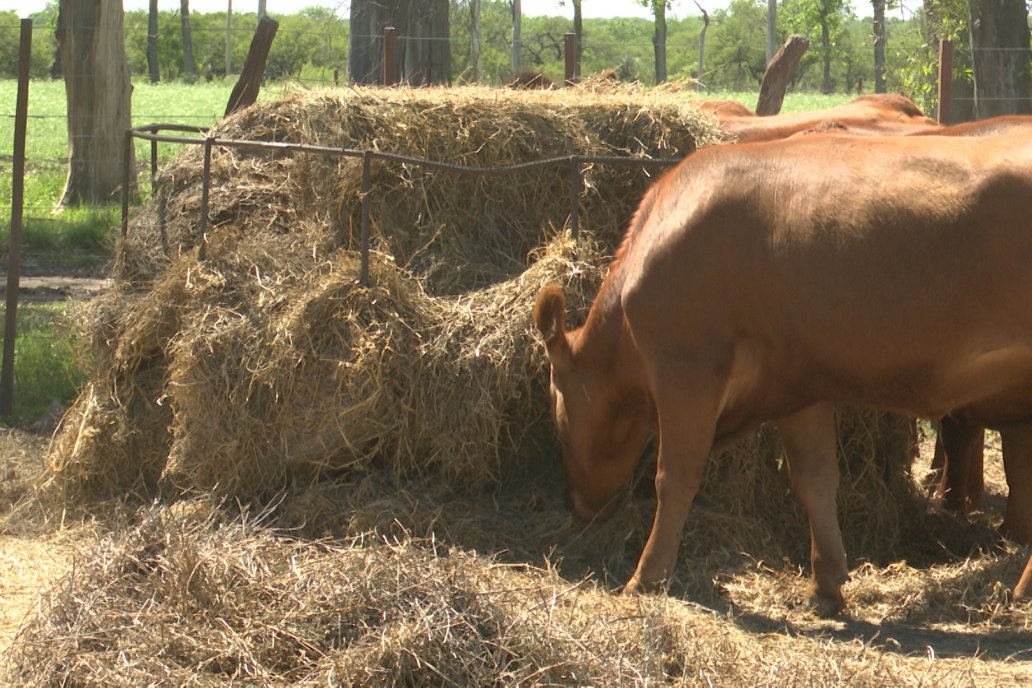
pixel 991 126
pixel 760 282
pixel 958 459
pixel 529 80
pixel 957 464
pixel 882 113
pixel 723 109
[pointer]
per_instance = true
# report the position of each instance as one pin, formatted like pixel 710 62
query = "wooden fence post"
pixel 945 94
pixel 779 71
pixel 17 206
pixel 245 92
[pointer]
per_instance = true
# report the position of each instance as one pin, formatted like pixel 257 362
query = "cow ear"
pixel 550 318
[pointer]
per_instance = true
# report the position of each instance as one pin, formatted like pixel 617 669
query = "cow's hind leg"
pixel 810 443
pixel 958 456
pixel 1017 464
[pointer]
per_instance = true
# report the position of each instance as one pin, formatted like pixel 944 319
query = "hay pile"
pixel 188 598
pixel 456 231
pixel 267 367
pixel 268 363
pixel 258 366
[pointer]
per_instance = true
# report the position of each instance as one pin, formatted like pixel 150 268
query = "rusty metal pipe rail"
pixel 575 164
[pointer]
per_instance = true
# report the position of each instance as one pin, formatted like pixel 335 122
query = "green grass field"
pixel 45 363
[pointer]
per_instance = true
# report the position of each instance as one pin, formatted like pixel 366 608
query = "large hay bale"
pixel 278 368
pixel 455 230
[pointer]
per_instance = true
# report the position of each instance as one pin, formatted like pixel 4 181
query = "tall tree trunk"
pixel 999 44
pixel 826 47
pixel 56 72
pixel 262 6
pixel 879 45
pixel 578 31
pixel 702 44
pixel 229 37
pixel 425 55
pixel 189 67
pixel 98 93
pixel 517 36
pixel 474 38
pixel 152 42
pixel 772 29
pixel 422 51
pixel 659 40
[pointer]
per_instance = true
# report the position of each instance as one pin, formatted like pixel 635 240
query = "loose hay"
pixel 189 599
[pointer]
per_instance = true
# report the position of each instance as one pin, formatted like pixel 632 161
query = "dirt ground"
pixel 36 288
pixel 33 553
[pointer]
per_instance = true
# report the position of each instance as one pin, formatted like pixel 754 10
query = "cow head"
pixel 603 422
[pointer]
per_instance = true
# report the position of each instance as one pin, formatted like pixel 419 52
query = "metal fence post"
pixel 575 182
pixel 127 162
pixel 17 207
pixel 202 253
pixel 367 185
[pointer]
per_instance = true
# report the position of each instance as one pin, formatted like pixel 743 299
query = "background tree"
pixel 43 45
pixel 999 45
pixel 517 36
pixel 91 37
pixel 878 7
pixel 737 60
pixel 823 18
pixel 940 20
pixel 659 40
pixel 152 42
pixel 229 37
pixel 474 39
pixel 578 31
pixel 422 51
pixel 772 29
pixel 702 44
pixel 313 44
pixel 189 67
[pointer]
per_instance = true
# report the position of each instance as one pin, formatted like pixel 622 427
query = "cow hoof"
pixel 823 605
pixel 633 587
pixel 636 587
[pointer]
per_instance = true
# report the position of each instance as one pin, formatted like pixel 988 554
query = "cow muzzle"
pixel 587 512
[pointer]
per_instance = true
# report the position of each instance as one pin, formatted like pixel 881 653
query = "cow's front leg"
pixel 686 428
pixel 810 443
pixel 1023 590
pixel 1017 464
